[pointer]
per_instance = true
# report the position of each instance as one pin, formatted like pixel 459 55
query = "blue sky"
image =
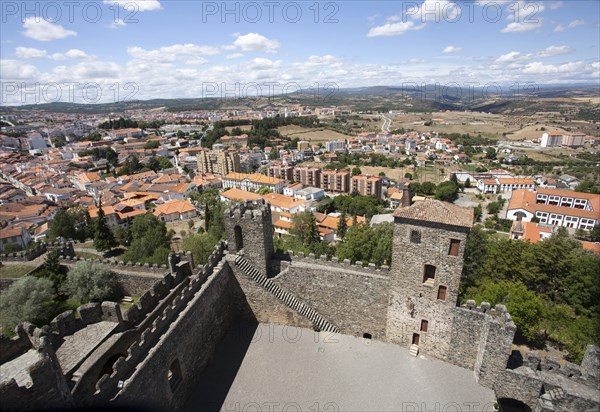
pixel 166 49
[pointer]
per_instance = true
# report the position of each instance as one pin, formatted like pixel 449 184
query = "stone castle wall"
pixel 186 335
pixel 352 297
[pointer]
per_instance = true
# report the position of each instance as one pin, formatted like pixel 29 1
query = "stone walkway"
pixel 78 346
pixel 17 368
pixel 286 368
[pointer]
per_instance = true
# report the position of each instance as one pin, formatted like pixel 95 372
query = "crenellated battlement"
pixel 117 265
pixel 334 262
pixel 249 211
pixel 108 385
pixel 67 323
pixel 498 313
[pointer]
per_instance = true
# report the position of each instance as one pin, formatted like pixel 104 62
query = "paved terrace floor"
pixel 275 368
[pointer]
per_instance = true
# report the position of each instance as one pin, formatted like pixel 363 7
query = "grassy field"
pixel 245 127
pixel 88 255
pixel 534 132
pixel 310 134
pixel 15 271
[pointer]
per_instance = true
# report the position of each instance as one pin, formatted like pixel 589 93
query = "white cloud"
pixel 541 68
pixel 173 53
pixel 560 28
pixel 554 51
pixel 550 51
pixel 260 63
pixel 517 27
pixel 556 5
pixel 39 29
pixel 30 53
pixel 234 56
pixel 451 49
pixel 511 57
pixel 256 42
pixel 17 70
pixel 136 5
pixel 522 11
pixel 394 29
pixel 435 11
pixel 117 23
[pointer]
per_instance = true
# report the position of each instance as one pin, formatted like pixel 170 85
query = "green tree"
pixel 201 246
pixel 264 190
pixel 305 229
pixel 525 307
pixel 491 153
pixel 408 175
pixel 122 236
pixel 52 270
pixel 342 226
pixel 588 186
pixel 103 237
pixel 446 191
pixel 356 171
pixel 152 144
pixel 358 244
pixel 28 299
pixel 62 225
pixel 90 282
pixel 150 241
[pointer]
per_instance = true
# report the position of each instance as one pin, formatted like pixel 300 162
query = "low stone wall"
pixel 118 266
pixel 353 298
pixel 23 256
pixel 136 285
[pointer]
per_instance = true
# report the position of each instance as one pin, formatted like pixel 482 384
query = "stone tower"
pixel 249 229
pixel 429 244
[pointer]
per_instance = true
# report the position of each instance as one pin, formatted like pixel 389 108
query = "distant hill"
pixel 408 98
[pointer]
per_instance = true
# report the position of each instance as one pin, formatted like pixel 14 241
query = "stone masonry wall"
pixel 414 301
pixel 255 304
pixel 353 298
pixel 189 342
pixel 254 225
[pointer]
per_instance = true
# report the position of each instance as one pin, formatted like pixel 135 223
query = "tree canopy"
pixel 149 241
pixel 90 282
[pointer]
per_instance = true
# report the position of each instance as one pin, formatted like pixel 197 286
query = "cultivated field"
pixel 313 135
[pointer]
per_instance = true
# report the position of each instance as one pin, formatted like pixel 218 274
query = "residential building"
pixel 280 203
pixel 551 140
pixel 281 171
pixel 368 185
pixel 239 195
pixel 310 193
pixel 573 140
pixel 218 161
pixel 292 189
pixel 253 182
pixel 335 146
pixel 531 231
pixel 15 238
pixel 308 176
pixel 175 210
pixel 508 184
pixel 488 186
pixel 556 207
pixel 335 181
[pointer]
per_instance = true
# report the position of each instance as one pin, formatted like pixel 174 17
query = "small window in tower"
pixel 454 247
pixel 415 236
pixel 424 325
pixel 442 293
pixel 429 274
